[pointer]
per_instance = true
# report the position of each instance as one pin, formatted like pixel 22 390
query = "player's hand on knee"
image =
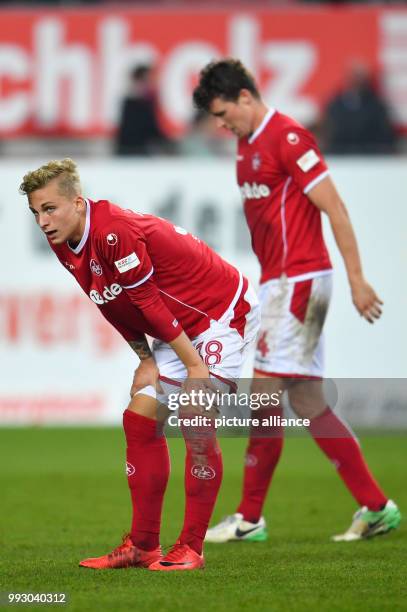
pixel 197 385
pixel 145 375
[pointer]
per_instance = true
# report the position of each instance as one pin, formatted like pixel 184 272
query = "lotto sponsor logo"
pixel 308 160
pixel 108 294
pixel 203 472
pixel 253 191
pixel 127 263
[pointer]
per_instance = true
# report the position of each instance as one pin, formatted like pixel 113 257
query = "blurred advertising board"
pixel 61 362
pixel 65 71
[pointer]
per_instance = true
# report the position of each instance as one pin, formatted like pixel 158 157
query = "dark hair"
pixel 223 79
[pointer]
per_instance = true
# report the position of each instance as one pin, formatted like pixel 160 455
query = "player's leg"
pixel 338 443
pixel 261 458
pixel 263 451
pixel 223 347
pixel 202 480
pixel 147 469
pixel 265 444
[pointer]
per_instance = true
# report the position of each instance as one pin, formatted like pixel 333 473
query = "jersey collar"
pixel 84 238
pixel 262 125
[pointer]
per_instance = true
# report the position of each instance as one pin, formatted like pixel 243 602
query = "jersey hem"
pixel 298 277
pixel 287 375
pixel 315 181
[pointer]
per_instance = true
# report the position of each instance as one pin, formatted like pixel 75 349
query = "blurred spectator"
pixel 139 132
pixel 204 138
pixel 357 120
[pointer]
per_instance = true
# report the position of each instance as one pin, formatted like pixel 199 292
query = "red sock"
pixel 340 446
pixel 203 477
pixel 148 468
pixel 262 455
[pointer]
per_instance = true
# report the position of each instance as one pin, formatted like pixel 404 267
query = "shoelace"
pixel 227 520
pixel 122 547
pixel 175 553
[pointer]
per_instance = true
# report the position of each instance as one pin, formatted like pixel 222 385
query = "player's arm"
pixel 135 273
pixel 189 356
pixel 325 197
pixel 147 372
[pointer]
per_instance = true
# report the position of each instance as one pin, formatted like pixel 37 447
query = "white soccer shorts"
pixel 290 341
pixel 222 347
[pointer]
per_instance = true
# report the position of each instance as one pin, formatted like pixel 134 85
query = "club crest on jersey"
pixel 112 239
pixel 250 460
pixel 95 267
pixel 256 161
pixel 293 138
pixel 203 472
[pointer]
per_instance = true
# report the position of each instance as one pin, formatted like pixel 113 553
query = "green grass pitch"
pixel 64 497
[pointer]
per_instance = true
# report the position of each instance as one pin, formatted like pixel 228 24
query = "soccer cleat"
pixel 180 557
pixel 125 555
pixel 234 528
pixel 367 524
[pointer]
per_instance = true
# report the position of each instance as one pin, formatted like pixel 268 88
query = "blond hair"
pixel 69 183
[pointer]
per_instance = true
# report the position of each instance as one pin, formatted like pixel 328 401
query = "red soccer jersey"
pixel 145 274
pixel 276 167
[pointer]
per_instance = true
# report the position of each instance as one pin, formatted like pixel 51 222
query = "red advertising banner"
pixel 65 71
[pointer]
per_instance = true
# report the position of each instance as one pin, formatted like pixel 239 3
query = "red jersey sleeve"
pixel 301 157
pixel 123 247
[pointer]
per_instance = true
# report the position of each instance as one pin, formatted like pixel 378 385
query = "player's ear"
pixel 245 97
pixel 80 203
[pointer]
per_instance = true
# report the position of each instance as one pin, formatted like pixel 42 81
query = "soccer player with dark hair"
pixel 148 276
pixel 285 185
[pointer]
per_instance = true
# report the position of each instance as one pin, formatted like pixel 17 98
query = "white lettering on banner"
pixel 181 66
pixel 244 36
pixel 127 263
pixel 59 63
pixel 117 57
pixel 254 191
pixel 393 57
pixel 108 294
pixel 64 77
pixel 78 85
pixel 14 64
pixel 291 63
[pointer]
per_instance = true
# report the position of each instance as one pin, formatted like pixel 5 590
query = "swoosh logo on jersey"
pixel 240 533
pixel 240 158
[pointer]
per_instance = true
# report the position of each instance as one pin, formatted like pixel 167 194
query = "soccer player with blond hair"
pixel 148 276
